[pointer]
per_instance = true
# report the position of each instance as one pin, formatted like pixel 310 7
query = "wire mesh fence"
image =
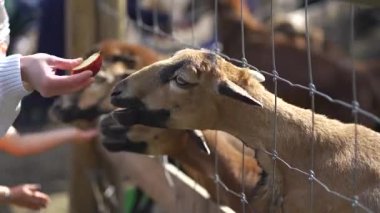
pixel 166 34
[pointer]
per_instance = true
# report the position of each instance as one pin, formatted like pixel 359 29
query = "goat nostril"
pixel 116 93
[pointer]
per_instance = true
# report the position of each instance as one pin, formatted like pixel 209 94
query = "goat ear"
pixel 200 140
pixel 232 90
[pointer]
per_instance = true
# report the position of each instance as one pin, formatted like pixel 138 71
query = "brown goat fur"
pixel 176 143
pixel 180 145
pixel 198 90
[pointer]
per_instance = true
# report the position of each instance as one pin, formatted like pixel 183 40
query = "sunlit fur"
pixel 202 107
pixel 180 145
pixel 175 143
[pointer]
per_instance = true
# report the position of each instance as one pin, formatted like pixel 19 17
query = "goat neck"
pixel 333 143
pixel 201 167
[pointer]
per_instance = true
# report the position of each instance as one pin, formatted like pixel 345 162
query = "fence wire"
pixel 355 104
pixel 311 89
pixel 275 77
pixel 217 179
pixel 274 74
pixel 243 198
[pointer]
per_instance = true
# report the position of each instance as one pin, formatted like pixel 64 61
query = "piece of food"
pixel 93 63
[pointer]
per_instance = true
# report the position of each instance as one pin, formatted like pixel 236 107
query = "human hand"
pixel 38 71
pixel 28 196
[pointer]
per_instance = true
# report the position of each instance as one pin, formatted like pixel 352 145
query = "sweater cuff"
pixel 10 77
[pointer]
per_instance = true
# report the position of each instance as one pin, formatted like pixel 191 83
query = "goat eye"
pixel 181 82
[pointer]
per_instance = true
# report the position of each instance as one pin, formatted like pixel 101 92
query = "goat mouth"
pixel 132 116
pixel 132 102
pixel 111 128
pixel 114 137
pixel 127 116
pixel 117 146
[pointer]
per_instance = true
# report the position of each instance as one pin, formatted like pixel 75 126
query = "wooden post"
pixel 90 21
pixel 91 170
pixel 112 19
pixel 80 27
pixel 86 25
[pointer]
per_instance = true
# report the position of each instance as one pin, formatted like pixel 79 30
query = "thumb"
pixel 63 63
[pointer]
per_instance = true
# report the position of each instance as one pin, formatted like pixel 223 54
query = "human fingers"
pixel 26 195
pixel 77 87
pixel 41 198
pixel 59 85
pixel 37 199
pixel 32 187
pixel 62 63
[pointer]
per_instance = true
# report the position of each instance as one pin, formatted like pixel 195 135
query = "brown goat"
pixel 184 146
pixel 122 59
pixel 199 90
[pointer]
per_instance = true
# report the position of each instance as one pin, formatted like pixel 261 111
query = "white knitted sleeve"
pixel 11 91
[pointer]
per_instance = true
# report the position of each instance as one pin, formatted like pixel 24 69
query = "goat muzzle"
pixel 132 116
pixel 114 137
pixel 114 145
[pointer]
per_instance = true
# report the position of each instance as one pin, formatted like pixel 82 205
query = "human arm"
pixel 11 91
pixel 36 72
pixel 33 143
pixel 25 195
